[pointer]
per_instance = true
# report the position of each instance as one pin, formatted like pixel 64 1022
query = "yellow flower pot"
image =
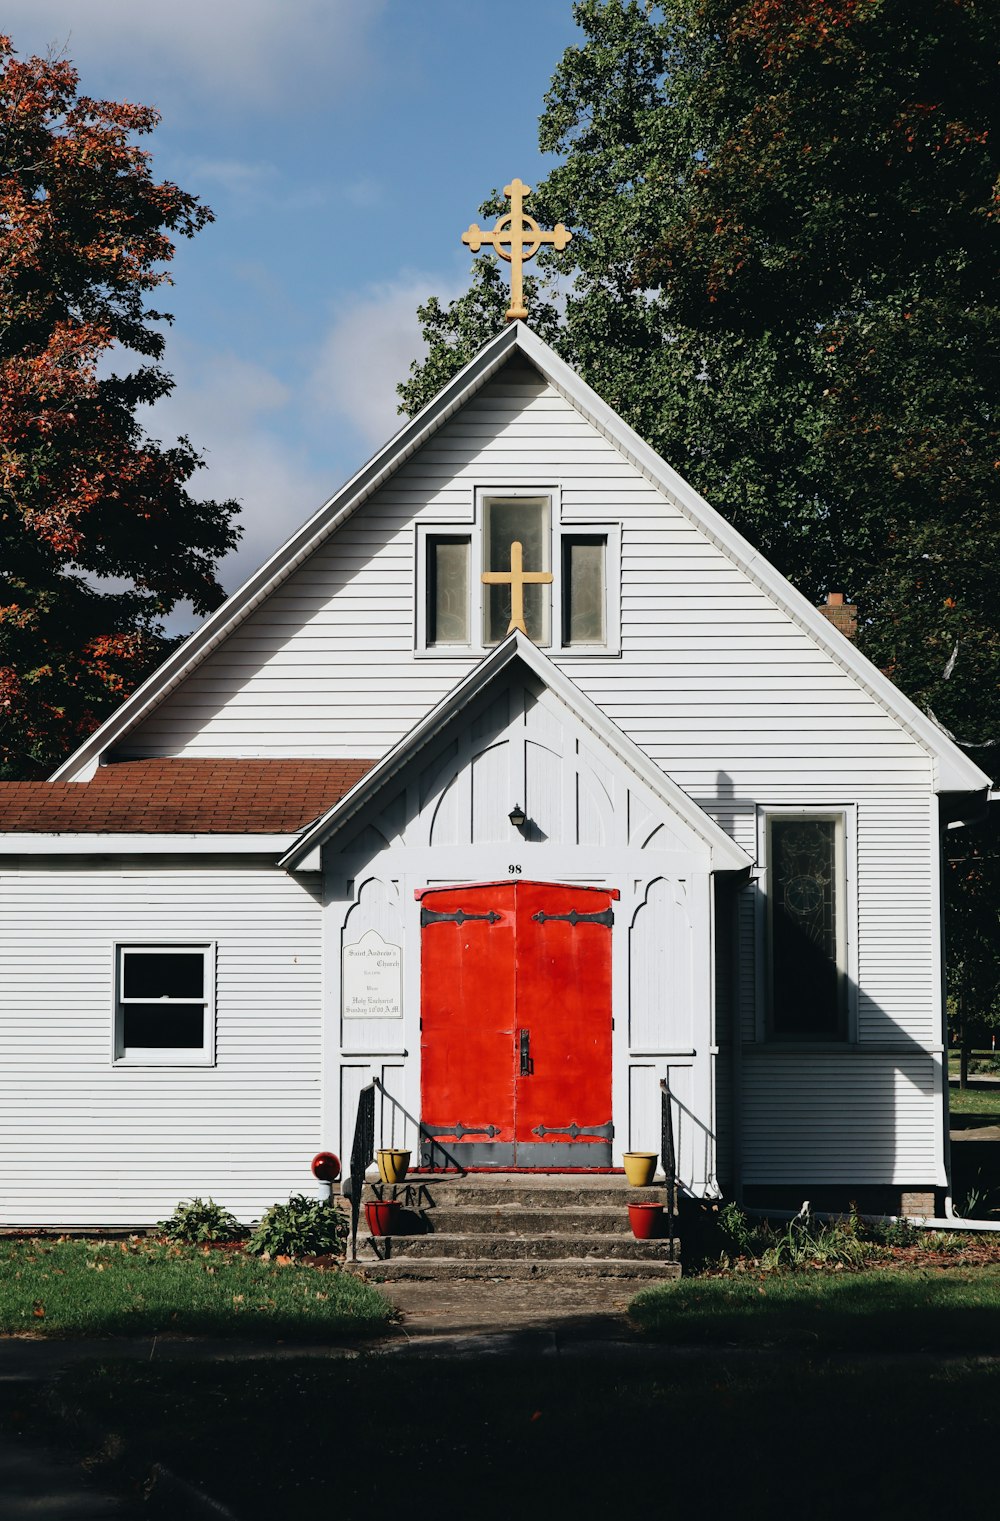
pixel 639 1167
pixel 392 1164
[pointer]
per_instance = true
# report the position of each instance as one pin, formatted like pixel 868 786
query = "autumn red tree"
pixel 99 536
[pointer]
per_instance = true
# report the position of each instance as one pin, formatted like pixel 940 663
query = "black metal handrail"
pixel 362 1155
pixel 668 1156
pixel 363 1150
pixel 433 1144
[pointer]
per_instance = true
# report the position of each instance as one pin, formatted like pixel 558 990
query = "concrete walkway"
pixel 37 1479
pixel 458 1320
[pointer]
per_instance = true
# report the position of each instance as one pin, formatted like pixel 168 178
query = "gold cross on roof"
pixel 522 236
pixel 516 578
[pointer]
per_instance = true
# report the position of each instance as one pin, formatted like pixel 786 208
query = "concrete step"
pixel 553 1270
pixel 519 1248
pixel 528 1192
pixel 514 1220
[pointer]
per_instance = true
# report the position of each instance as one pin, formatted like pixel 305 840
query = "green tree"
pixel 99 536
pixel 783 274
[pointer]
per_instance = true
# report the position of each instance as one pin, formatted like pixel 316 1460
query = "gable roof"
pixel 954 771
pixel 181 796
pixel 726 855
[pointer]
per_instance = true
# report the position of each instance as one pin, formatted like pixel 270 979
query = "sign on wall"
pixel 372 978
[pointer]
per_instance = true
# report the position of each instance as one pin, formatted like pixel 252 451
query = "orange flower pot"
pixel 382 1216
pixel 646 1220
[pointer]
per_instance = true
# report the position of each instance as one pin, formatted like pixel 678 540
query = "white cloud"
pixel 369 349
pixel 247 53
pixel 236 176
pixel 233 412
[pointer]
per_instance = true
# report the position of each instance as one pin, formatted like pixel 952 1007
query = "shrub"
pixel 303 1227
pixel 737 1231
pixel 900 1232
pixel 197 1220
pixel 947 1241
pixel 812 1244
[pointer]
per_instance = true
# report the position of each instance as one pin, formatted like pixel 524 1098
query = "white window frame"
pixel 153 1056
pixel 470 527
pixel 426 533
pixel 844 815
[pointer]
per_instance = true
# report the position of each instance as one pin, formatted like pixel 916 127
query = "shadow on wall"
pixel 833 1120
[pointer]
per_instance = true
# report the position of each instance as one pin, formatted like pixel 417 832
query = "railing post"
pixel 667 1154
pixel 362 1153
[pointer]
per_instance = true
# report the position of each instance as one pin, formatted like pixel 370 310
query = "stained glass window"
pixel 525 519
pixel 583 572
pixel 805 910
pixel 447 590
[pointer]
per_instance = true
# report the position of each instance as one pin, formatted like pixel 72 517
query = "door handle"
pixel 524 1041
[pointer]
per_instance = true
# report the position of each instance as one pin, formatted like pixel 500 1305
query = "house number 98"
pixel 513 871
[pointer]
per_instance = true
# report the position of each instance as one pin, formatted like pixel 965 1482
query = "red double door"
pixel 516 1025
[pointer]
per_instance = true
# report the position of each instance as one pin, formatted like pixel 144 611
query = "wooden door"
pixel 516 1025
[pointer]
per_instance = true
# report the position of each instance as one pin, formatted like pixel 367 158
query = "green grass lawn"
pixel 984 1100
pixel 955 1310
pixel 569 1436
pixel 122 1288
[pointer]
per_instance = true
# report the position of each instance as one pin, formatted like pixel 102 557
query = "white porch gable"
pixel 435 813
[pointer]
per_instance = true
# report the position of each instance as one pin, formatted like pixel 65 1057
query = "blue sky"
pixel 344 146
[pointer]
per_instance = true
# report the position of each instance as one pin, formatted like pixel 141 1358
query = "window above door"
pixel 569 575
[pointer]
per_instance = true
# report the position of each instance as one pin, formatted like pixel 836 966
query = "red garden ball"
pixel 326 1166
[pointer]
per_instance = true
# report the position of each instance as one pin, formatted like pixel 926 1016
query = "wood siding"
pixel 712 673
pixel 85 1142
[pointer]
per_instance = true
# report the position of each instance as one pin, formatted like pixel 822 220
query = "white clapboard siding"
pixel 798 1126
pixel 87 1143
pixel 713 676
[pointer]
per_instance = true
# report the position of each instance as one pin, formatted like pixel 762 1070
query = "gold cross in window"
pixel 516 578
pixel 522 237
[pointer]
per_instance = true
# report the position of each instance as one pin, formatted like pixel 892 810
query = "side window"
pixel 806 927
pixel 447 589
pixel 584 589
pixel 164 1005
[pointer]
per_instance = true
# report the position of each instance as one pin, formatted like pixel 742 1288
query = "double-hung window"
pixel 807 923
pixel 164 1005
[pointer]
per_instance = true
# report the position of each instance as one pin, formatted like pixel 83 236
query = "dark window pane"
pixel 174 1027
pixel 583 590
pixel 528 522
pixel 447 591
pixel 802 885
pixel 161 974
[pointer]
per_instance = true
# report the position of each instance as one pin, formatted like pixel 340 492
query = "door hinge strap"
pixel 606 917
pixel 607 1131
pixel 460 1130
pixel 428 916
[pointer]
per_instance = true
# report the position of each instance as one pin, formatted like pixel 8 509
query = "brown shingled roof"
pixel 183 796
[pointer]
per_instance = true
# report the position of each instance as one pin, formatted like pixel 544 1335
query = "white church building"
pixel 670 824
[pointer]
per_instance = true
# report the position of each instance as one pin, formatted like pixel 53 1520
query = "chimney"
pixel 843 615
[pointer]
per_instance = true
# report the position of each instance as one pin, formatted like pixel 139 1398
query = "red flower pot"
pixel 646 1220
pixel 382 1216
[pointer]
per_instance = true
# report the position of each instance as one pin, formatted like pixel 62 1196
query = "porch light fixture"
pixel 517 816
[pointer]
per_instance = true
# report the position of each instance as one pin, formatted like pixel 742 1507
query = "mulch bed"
pixel 976 1251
